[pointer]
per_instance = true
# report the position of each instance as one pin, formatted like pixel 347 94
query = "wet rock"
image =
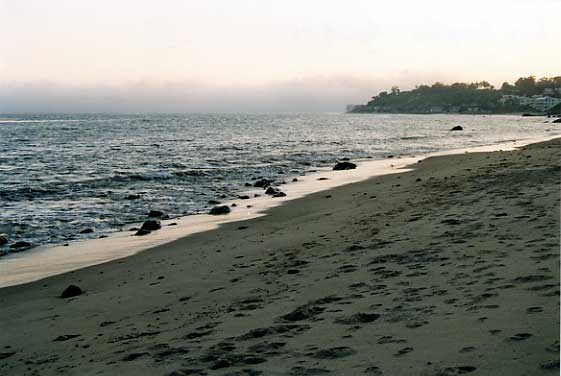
pixel 71 291
pixel 132 197
pixel 457 128
pixel 142 232
pixel 294 180
pixel 279 194
pixel 3 240
pixel 21 245
pixel 155 214
pixel 213 202
pixel 151 225
pixel 344 166
pixel 270 191
pixel 87 231
pixel 557 120
pixel 262 183
pixel 220 210
pixel 243 197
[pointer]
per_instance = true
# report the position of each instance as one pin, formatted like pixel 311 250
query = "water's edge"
pixel 46 261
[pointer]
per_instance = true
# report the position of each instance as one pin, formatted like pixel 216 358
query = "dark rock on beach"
pixel 557 120
pixel 270 191
pixel 243 197
pixel 71 291
pixel 457 128
pixel 132 197
pixel 151 225
pixel 87 231
pixel 142 232
pixel 3 240
pixel 155 214
pixel 21 245
pixel 262 183
pixel 279 194
pixel 220 210
pixel 344 166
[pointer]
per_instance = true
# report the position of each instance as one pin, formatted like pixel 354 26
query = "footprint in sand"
pixel 534 309
pixel 403 351
pixel 373 371
pixel 334 353
pixel 301 371
pixel 520 337
pixel 453 371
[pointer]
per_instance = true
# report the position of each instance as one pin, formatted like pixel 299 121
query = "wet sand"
pixel 449 269
pixel 46 261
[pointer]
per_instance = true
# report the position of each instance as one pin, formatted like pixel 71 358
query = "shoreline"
pixel 45 261
pixel 448 269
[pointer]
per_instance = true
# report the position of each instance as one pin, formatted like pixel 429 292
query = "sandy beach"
pixel 449 269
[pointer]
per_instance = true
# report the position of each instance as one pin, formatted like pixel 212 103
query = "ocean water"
pixel 62 173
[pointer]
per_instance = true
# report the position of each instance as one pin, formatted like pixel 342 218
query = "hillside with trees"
pixel 476 97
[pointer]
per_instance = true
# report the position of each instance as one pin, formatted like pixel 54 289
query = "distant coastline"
pixel 526 96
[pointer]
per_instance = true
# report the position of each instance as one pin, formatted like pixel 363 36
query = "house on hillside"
pixel 542 104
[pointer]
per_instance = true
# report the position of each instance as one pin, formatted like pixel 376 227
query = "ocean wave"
pixel 42 121
pixel 68 187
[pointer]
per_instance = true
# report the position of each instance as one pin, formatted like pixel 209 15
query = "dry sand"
pixel 450 269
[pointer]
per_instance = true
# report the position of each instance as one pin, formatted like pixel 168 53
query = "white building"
pixel 543 104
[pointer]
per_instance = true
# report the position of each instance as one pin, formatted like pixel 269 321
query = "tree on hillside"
pixel 526 85
pixel 507 88
pixel 474 97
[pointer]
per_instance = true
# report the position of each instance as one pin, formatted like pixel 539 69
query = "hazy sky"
pixel 262 55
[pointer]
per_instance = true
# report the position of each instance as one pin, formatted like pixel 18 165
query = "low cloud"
pixel 318 94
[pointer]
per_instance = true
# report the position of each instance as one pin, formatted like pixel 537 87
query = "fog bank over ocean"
pixel 313 94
